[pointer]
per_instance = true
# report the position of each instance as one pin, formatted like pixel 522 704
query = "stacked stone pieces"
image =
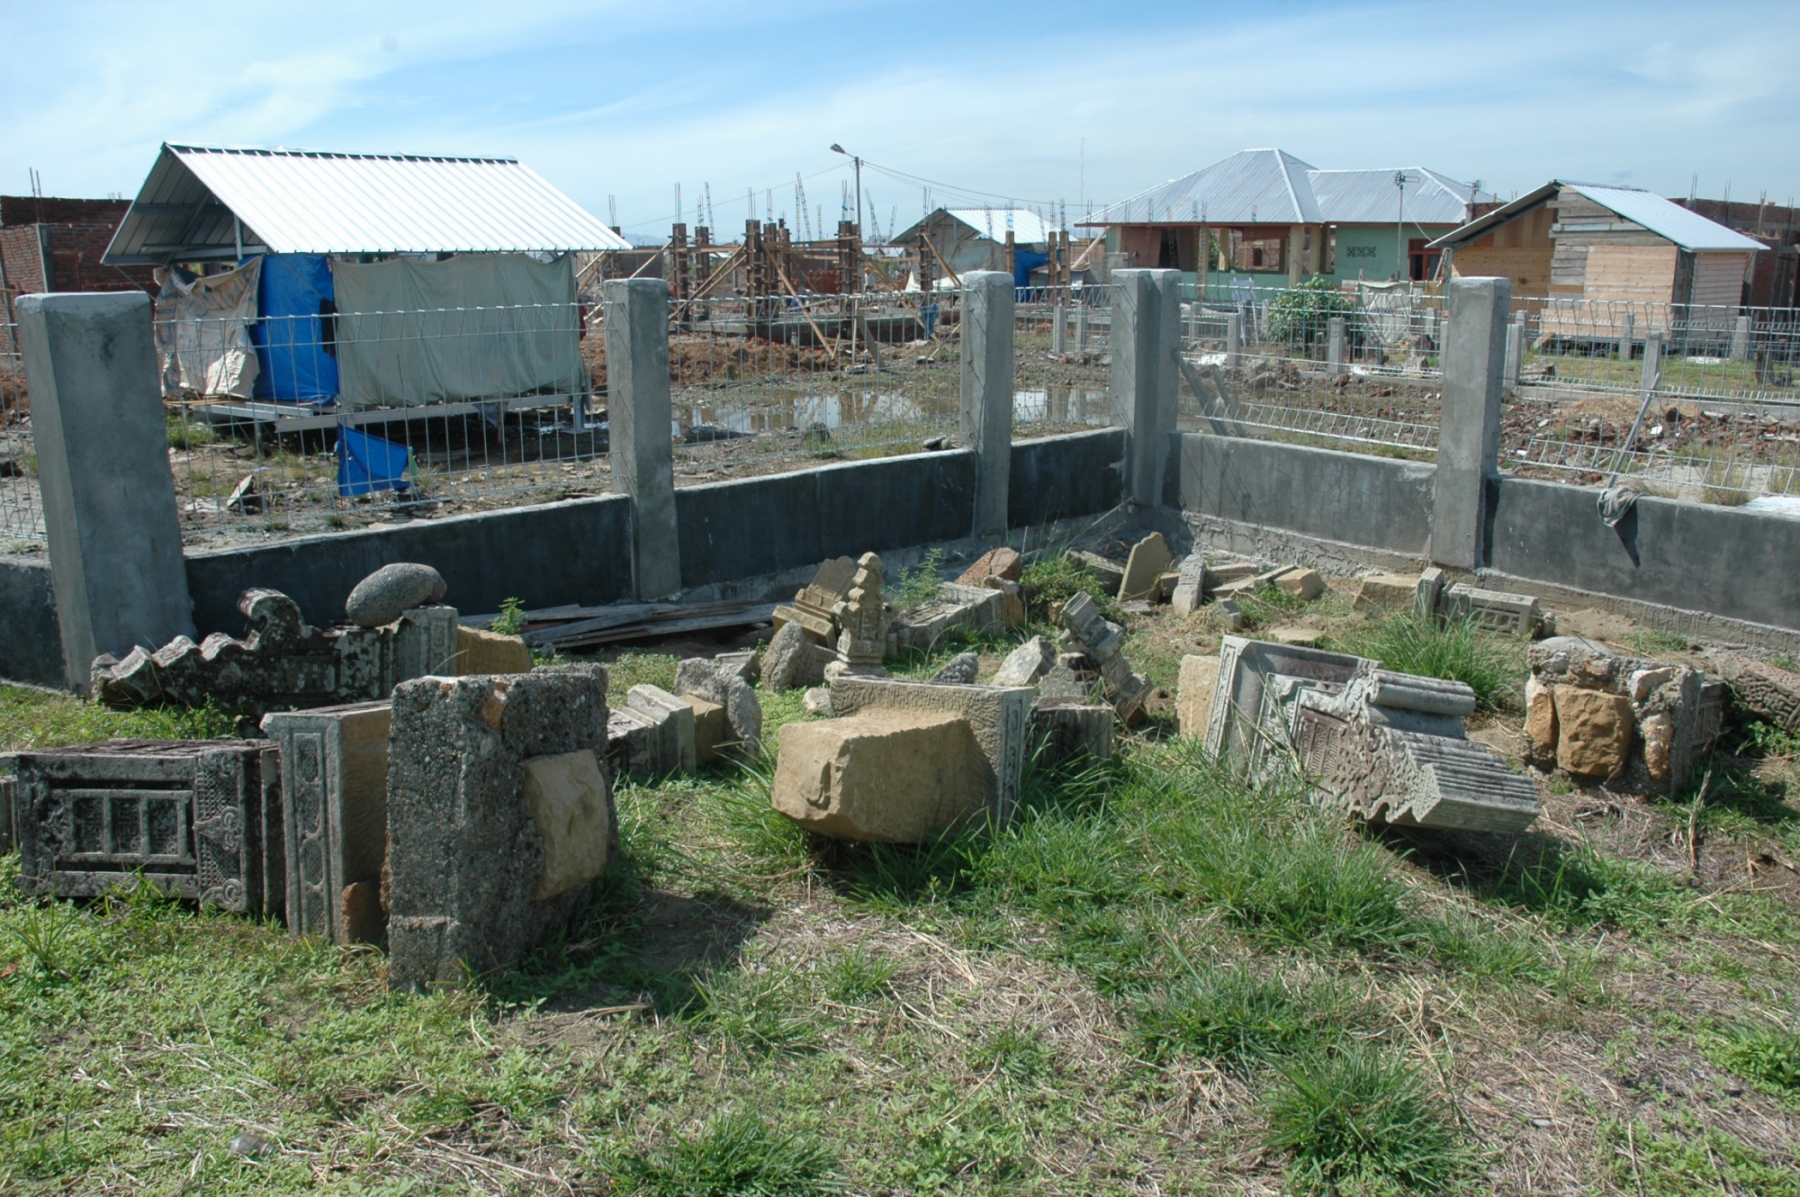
pixel 863 618
pixel 722 681
pixel 1085 629
pixel 815 602
pixel 499 814
pixel 652 734
pixel 1587 707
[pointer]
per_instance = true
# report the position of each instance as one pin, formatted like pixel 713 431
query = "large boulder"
pixel 884 776
pixel 384 595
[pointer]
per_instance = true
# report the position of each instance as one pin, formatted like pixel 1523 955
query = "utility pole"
pixel 857 162
pixel 1400 272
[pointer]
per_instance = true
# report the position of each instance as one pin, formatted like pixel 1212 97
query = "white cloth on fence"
pixel 203 331
pixel 478 326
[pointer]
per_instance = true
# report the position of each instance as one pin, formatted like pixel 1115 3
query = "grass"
pixel 1156 976
pixel 1456 651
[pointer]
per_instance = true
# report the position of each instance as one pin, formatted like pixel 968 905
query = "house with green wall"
pixel 1272 220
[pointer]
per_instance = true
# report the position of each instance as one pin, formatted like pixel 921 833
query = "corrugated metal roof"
pixel 302 201
pixel 1372 197
pixel 1688 229
pixel 1275 187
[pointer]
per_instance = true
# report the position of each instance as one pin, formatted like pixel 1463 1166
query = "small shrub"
pixel 511 620
pixel 1051 581
pixel 188 435
pixel 1359 1119
pixel 921 584
pixel 1768 1056
pixel 1457 651
pixel 735 1154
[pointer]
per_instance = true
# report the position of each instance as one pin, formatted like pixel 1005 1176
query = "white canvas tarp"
pixel 203 331
pixel 478 326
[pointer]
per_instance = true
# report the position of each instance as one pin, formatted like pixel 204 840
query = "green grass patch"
pixel 1456 651
pixel 36 719
pixel 1691 1159
pixel 734 1154
pixel 1052 579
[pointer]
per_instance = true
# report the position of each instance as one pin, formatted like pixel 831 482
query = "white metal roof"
pixel 1686 228
pixel 1372 196
pixel 303 201
pixel 1028 228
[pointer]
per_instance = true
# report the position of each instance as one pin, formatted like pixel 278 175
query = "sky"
pixel 1046 104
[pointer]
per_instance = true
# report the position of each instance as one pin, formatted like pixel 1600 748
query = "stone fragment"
pixel 1303 582
pixel 1227 616
pixel 1190 585
pixel 813 604
pixel 9 794
pixel 995 715
pixel 1429 590
pixel 381 597
pixel 652 734
pixel 493 784
pixel 196 819
pixel 1085 630
pixel 1658 732
pixel 883 776
pixel 481 651
pixel 964 610
pixel 1494 610
pixel 1063 681
pixel 1165 585
pixel 711 730
pixel 1386 592
pixel 1109 572
pixel 1236 588
pixel 1002 562
pixel 960 670
pixel 1594 730
pixel 1194 693
pixel 1150 557
pixel 863 619
pixel 745 663
pixel 1026 664
pixel 792 660
pixel 1226 572
pixel 721 681
pixel 334 767
pixel 1772 694
pixel 1540 718
pixel 567 799
pixel 1644 682
pixel 1012 600
pixel 1304 637
pixel 1070 729
pixel 817 701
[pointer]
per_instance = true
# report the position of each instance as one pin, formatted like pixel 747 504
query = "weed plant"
pixel 1455 651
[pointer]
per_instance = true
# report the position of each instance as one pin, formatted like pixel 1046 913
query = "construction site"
pixel 1147 704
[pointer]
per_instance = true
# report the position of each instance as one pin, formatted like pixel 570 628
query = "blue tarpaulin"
pixel 1024 262
pixel 295 339
pixel 368 463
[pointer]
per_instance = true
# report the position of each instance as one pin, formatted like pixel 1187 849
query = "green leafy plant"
pixel 1052 580
pixel 511 620
pixel 921 584
pixel 1299 315
pixel 735 1154
pixel 1767 1055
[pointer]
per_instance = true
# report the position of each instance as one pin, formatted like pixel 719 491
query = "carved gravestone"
pixel 334 819
pixel 813 605
pixel 198 819
pixel 499 814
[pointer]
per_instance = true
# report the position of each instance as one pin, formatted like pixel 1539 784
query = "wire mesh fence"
pixel 21 514
pixel 1062 347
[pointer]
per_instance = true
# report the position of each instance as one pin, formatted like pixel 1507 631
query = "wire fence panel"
pixel 1062 362
pixel 21 512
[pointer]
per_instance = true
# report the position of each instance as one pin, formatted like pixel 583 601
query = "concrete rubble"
pixel 1389 747
pixel 197 819
pixel 722 681
pixel 1101 641
pixel 1771 694
pixel 499 815
pixel 652 735
pixel 1594 712
pixel 334 765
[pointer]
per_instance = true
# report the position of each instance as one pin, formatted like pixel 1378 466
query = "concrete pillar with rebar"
pixel 1146 336
pixel 1334 346
pixel 1469 427
pixel 103 471
pixel 987 391
pixel 637 405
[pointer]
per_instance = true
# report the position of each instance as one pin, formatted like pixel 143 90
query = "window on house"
pixel 1422 263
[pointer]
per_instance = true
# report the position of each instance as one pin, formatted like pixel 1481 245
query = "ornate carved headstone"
pixel 1086 631
pixel 863 619
pixel 815 603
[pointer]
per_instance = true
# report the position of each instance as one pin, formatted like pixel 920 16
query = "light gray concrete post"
pixel 637 410
pixel 1515 353
pixel 1653 345
pixel 1234 339
pixel 1469 428
pixel 103 470
pixel 1627 334
pixel 1740 340
pixel 1081 326
pixel 987 391
pixel 1059 330
pixel 1146 336
pixel 1334 345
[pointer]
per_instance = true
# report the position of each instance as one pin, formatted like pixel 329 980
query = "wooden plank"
pixel 626 621
pixel 699 623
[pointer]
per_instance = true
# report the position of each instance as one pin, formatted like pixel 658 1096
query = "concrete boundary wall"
pixel 1064 477
pixel 30 637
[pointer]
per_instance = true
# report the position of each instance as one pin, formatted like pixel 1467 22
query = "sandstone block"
pixel 1002 562
pixel 721 681
pixel 481 651
pixel 884 776
pixel 711 730
pixel 817 701
pixel 1540 717
pixel 1304 637
pixel 1194 693
pixel 1386 592
pixel 1594 730
pixel 381 597
pixel 1067 729
pixel 996 716
pixel 1109 572
pixel 1026 664
pixel 1304 582
pixel 1150 558
pixel 566 798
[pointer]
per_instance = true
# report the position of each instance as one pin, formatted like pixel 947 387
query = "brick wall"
pixel 76 233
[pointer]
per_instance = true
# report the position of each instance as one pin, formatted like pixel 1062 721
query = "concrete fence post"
pixel 1469 428
pixel 987 391
pixel 1740 340
pixel 1146 336
pixel 1627 334
pixel 103 470
pixel 1081 310
pixel 1234 339
pixel 1653 346
pixel 1515 353
pixel 1334 345
pixel 1059 330
pixel 642 444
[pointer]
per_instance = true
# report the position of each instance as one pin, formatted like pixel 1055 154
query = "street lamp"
pixel 838 149
pixel 1401 274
